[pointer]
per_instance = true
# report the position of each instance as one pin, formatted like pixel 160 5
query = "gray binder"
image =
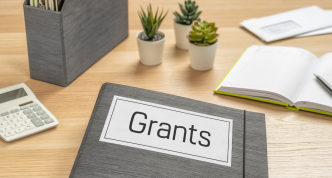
pixel 62 45
pixel 100 159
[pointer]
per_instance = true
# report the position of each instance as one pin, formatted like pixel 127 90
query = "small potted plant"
pixel 203 45
pixel 150 41
pixel 182 23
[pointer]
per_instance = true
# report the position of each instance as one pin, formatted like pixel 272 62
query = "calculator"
pixel 22 114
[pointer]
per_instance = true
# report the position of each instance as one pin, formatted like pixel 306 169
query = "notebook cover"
pixel 100 159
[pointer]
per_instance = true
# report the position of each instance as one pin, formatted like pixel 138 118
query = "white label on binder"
pixel 169 130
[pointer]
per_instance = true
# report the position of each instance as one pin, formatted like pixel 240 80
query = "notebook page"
pixel 281 70
pixel 313 91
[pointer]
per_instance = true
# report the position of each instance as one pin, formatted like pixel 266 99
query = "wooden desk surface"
pixel 299 143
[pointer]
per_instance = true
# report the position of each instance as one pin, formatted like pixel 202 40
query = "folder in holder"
pixel 62 45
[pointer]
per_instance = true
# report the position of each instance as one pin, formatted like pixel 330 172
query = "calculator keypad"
pixel 22 119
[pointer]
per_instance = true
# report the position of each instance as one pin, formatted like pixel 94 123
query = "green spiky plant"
pixel 151 24
pixel 203 33
pixel 189 13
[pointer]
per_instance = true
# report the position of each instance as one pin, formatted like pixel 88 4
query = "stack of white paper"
pixel 302 22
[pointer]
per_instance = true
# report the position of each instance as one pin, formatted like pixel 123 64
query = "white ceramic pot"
pixel 151 52
pixel 181 32
pixel 202 57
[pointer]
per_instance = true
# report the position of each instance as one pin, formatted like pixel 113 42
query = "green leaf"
pixel 143 12
pixel 212 25
pixel 214 29
pixel 211 41
pixel 193 12
pixel 153 31
pixel 150 18
pixel 183 10
pixel 211 37
pixel 178 17
pixel 195 29
pixel 155 17
pixel 195 40
pixel 190 7
pixel 161 20
pixel 162 11
pixel 197 36
pixel 186 6
pixel 197 15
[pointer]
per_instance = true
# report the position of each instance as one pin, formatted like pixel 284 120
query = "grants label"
pixel 169 130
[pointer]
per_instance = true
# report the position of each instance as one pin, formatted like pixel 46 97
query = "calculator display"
pixel 19 93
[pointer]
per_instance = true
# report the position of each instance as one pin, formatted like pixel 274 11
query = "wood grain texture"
pixel 299 143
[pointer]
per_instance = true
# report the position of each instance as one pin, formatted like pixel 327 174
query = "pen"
pixel 324 83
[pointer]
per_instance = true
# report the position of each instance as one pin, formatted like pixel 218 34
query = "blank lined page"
pixel 313 91
pixel 282 70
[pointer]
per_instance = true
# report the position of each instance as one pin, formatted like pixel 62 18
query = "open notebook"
pixel 281 75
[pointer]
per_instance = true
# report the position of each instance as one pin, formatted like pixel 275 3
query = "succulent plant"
pixel 203 33
pixel 189 13
pixel 151 24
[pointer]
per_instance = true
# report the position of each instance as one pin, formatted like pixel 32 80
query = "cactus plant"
pixel 189 13
pixel 203 33
pixel 151 24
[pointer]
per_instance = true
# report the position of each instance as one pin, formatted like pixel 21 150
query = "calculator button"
pixel 27 111
pixel 37 108
pixel 2 119
pixel 5 129
pixel 49 120
pixel 3 124
pixel 26 122
pixel 31 115
pixel 17 125
pixel 22 118
pixel 45 116
pixel 5 114
pixel 14 111
pixel 19 130
pixel 9 133
pixel 41 112
pixel 11 121
pixel 37 122
pixel 33 104
pixel 18 114
pixel 28 127
pixel 8 117
pixel 24 107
